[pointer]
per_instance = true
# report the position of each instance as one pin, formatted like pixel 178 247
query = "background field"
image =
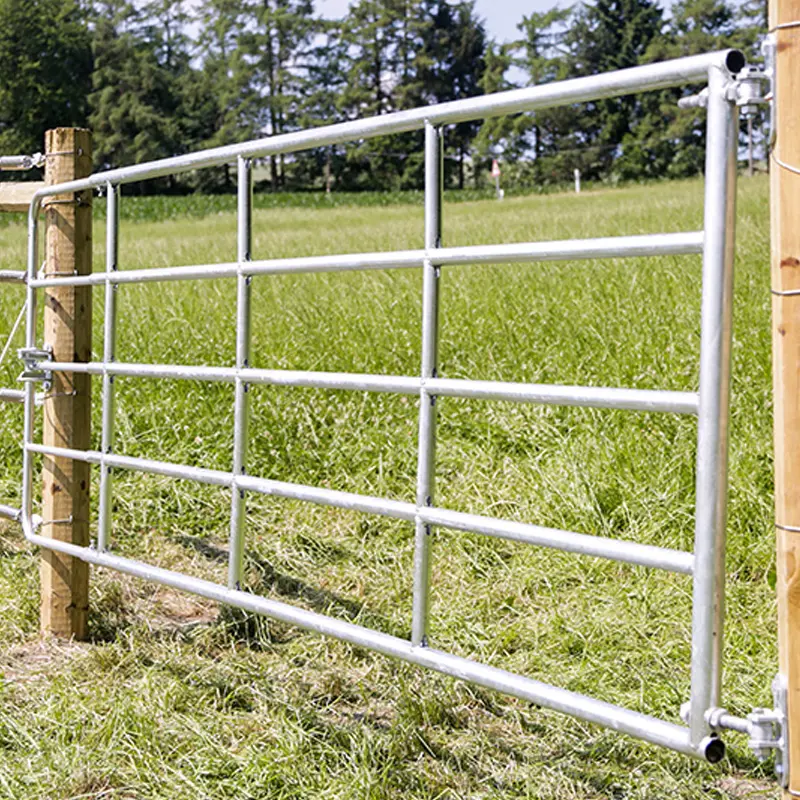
pixel 173 699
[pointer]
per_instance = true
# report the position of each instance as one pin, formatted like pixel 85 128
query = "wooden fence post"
pixel 785 209
pixel 67 409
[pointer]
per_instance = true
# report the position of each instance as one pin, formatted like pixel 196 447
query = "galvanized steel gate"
pixel 710 404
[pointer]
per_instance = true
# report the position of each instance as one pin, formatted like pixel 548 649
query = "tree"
pixel 325 83
pixel 451 65
pixel 133 103
pixel 544 57
pixel 221 97
pixel 670 142
pixel 277 34
pixel 611 35
pixel 144 104
pixel 45 70
pixel 504 135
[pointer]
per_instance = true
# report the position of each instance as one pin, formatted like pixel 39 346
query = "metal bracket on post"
pixel 748 90
pixel 32 358
pixel 765 727
pixel 699 100
pixel 745 89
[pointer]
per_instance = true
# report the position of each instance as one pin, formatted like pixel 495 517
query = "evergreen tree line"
pixel 155 78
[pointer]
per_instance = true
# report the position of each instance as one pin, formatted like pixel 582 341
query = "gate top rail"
pixel 662 75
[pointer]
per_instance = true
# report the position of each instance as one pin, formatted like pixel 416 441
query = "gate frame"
pixel 700 738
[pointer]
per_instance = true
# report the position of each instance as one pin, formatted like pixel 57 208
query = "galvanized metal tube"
pixel 662 75
pixel 598 546
pixel 640 246
pixel 17 396
pixel 633 723
pixel 641 555
pixel 548 394
pixel 109 354
pixel 9 512
pixel 12 396
pixel 712 435
pixel 426 445
pixel 30 342
pixel 580 396
pixel 241 414
pixel 18 163
pixel 12 276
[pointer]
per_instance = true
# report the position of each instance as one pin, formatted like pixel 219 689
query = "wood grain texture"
pixel 785 212
pixel 18 196
pixel 67 409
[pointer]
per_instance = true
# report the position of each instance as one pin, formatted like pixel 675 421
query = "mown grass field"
pixel 173 699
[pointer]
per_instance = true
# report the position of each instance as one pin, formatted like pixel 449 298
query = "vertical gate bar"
pixel 30 342
pixel 241 414
pixel 109 354
pixel 712 430
pixel 427 401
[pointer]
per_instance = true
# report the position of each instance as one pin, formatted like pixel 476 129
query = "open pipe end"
pixel 713 749
pixel 735 61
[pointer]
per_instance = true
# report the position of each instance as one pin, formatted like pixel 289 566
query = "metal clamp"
pixel 32 358
pixel 765 727
pixel 699 100
pixel 748 90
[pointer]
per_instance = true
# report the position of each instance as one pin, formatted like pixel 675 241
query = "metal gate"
pixel 705 564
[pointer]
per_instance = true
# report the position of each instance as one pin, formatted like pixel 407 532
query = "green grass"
pixel 173 699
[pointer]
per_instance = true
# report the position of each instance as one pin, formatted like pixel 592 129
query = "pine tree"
pixel 543 58
pixel 325 82
pixel 142 74
pixel 451 65
pixel 498 136
pixel 221 97
pixel 612 35
pixel 45 69
pixel 277 36
pixel 670 141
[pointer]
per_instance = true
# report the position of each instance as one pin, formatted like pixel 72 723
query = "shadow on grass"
pixel 251 629
pixel 264 579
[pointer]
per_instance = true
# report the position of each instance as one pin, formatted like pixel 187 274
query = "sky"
pixel 500 16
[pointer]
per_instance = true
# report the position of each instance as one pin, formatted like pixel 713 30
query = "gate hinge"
pixel 765 727
pixel 33 371
pixel 746 89
pixel 750 90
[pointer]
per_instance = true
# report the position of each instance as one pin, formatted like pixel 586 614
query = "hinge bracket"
pixel 766 728
pixel 32 358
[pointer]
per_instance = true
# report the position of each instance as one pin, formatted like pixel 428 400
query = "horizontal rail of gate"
pixel 709 404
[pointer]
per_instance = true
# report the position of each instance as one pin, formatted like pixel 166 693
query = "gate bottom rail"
pixel 623 720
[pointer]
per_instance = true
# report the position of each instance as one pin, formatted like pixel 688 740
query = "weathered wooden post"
pixel 67 408
pixel 784 20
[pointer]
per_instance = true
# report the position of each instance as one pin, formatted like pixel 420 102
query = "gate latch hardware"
pixel 32 357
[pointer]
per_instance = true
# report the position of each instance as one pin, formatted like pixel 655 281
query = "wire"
pixel 13 331
pixel 784 165
pixel 784 25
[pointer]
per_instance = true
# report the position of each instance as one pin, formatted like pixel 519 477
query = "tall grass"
pixel 172 701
